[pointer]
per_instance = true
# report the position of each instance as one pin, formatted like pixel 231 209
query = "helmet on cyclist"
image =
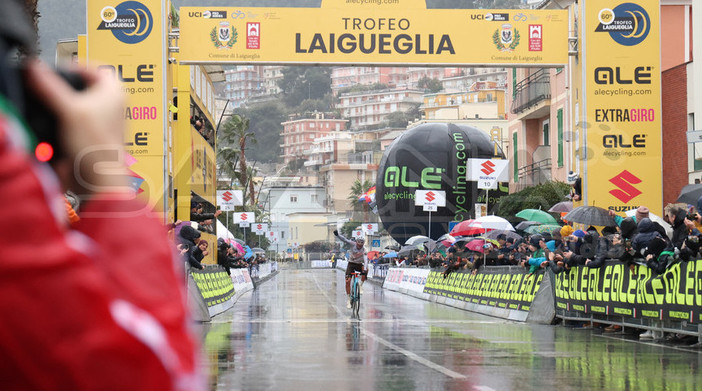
pixel 360 241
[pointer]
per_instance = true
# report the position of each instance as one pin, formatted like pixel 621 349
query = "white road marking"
pixel 413 356
pixel 394 347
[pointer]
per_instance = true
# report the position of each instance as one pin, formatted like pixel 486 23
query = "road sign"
pixel 375 243
pixel 430 200
pixel 228 199
pixel 260 228
pixel 487 172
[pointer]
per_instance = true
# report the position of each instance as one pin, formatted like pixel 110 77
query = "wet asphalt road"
pixel 295 333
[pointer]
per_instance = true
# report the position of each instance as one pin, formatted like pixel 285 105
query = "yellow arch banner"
pixel 373 32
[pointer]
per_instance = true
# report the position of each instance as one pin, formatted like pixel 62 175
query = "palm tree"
pixel 228 158
pixel 357 189
pixel 235 131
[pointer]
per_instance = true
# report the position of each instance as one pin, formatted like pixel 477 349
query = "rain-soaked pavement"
pixel 295 333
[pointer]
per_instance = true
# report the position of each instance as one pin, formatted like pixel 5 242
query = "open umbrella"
pixel 526 224
pixel 537 215
pixel 237 246
pixel 258 250
pixel 476 245
pixel 390 255
pixel 240 241
pixel 447 237
pixel 494 222
pixel 539 229
pixel 467 228
pixel 690 194
pixel 564 206
pixel 590 215
pixel 417 239
pixel 459 243
pixel 406 251
pixel 373 254
pixel 509 234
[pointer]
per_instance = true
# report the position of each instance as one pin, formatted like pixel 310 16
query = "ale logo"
pixel 130 22
pixel 628 24
pixel 625 191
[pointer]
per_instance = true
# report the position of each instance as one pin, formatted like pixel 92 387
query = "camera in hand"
pixel 43 122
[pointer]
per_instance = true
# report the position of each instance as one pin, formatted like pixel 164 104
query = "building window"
pixel 293 199
pixel 515 148
pixel 546 140
pixel 314 198
pixel 559 118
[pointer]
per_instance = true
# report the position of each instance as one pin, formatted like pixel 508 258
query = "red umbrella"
pixel 475 245
pixel 467 228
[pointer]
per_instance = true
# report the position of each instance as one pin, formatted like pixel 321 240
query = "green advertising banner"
pixel 616 290
pixel 502 290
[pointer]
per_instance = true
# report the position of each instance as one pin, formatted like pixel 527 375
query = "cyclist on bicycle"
pixel 357 263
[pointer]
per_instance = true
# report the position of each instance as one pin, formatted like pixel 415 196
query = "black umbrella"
pixel 690 194
pixel 509 234
pixel 591 215
pixel 406 251
pixel 564 206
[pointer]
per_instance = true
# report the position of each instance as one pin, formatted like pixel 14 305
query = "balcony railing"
pixel 534 174
pixel 531 91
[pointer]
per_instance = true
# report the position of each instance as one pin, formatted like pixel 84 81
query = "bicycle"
pixel 355 295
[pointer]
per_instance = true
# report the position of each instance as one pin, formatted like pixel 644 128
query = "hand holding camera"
pixel 90 125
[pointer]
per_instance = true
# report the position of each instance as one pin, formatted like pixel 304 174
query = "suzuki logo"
pixel 227 196
pixel 259 226
pixel 625 192
pixel 370 226
pixel 244 217
pixel 430 196
pixel 488 167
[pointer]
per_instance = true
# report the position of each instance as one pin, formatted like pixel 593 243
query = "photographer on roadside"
pixel 97 305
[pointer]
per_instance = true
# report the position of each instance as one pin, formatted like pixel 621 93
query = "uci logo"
pixel 130 22
pixel 628 24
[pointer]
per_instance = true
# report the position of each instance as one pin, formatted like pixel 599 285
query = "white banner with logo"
pixel 370 228
pixel 487 172
pixel 414 280
pixel 431 200
pixel 242 281
pixel 259 228
pixel 244 219
pixel 228 199
pixel 272 236
pixel 393 279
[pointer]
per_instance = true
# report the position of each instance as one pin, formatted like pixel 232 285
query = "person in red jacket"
pixel 99 305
